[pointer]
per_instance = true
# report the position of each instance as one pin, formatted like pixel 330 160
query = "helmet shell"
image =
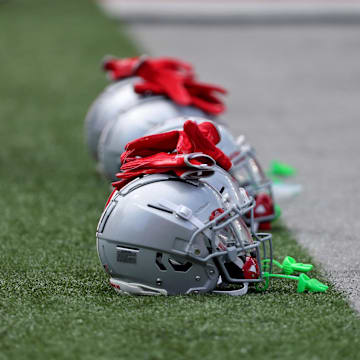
pixel 148 252
pixel 116 98
pixel 133 124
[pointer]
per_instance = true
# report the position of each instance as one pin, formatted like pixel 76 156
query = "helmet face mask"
pixel 248 172
pixel 232 243
pixel 193 236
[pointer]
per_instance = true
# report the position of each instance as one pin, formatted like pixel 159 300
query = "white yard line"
pixel 202 9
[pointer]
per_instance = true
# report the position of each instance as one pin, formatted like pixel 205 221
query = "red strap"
pixel 251 268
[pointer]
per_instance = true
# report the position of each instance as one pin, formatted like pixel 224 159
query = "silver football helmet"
pixel 116 97
pixel 191 239
pixel 135 123
pixel 249 174
pixel 246 169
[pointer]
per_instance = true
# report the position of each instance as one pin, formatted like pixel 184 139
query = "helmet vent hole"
pixel 159 208
pixel 178 266
pixel 159 262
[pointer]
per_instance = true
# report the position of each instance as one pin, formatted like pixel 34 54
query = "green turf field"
pixel 55 302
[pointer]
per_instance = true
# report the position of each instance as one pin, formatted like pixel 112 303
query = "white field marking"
pixel 231 8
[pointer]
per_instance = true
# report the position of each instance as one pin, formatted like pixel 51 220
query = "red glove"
pixel 121 68
pixel 201 143
pixel 170 77
pixel 203 96
pixel 162 153
pixel 150 145
pixel 159 163
pixel 184 91
pixel 126 67
pixel 194 138
pixel 163 80
pixel 160 75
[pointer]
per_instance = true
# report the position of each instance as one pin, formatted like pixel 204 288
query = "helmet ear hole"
pixel 159 262
pixel 178 266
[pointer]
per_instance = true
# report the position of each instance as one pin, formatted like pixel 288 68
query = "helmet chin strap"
pixel 237 292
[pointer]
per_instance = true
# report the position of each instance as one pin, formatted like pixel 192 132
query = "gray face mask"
pixel 246 170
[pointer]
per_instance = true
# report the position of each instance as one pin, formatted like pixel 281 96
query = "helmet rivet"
pixel 197 278
pixel 197 252
pixel 211 272
pixel 158 281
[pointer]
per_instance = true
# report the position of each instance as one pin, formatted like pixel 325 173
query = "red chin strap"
pixel 161 153
pixel 216 213
pixel 170 77
pixel 251 268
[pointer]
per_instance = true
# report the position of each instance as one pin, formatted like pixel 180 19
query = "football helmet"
pixel 133 124
pixel 116 97
pixel 249 174
pixel 246 169
pixel 142 79
pixel 191 239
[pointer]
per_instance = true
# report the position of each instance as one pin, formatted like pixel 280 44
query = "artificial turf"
pixel 55 301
